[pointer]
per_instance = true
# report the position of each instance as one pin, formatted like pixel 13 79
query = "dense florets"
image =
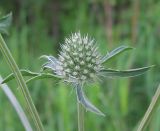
pixel 78 61
pixel 79 58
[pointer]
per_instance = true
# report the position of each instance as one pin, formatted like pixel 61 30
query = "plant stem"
pixel 21 82
pixel 80 110
pixel 151 109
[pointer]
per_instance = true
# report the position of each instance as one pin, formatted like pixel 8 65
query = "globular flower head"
pixel 78 61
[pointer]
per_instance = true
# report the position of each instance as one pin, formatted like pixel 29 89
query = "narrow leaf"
pixel 42 76
pixel 152 109
pixel 5 22
pixel 115 52
pixel 24 73
pixel 34 76
pixel 16 105
pixel 85 102
pixel 125 73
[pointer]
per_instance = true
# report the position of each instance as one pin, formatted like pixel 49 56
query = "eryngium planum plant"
pixel 80 62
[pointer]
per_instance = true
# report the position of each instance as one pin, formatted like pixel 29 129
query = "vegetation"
pixel 39 26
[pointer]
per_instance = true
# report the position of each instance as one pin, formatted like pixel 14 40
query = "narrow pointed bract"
pixel 124 73
pixel 114 53
pixel 85 102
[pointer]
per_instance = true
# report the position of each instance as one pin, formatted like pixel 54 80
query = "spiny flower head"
pixel 80 58
pixel 78 61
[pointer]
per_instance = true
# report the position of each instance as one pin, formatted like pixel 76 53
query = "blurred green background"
pixel 39 26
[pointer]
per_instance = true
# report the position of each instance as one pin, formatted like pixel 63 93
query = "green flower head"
pixel 79 60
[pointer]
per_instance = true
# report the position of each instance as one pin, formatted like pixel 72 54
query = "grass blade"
pixel 151 109
pixel 16 106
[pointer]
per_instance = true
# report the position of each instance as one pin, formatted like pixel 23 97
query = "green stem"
pixel 151 109
pixel 21 82
pixel 80 110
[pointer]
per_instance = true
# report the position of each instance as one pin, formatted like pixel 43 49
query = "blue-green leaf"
pixel 85 102
pixel 125 73
pixel 114 53
pixel 5 23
